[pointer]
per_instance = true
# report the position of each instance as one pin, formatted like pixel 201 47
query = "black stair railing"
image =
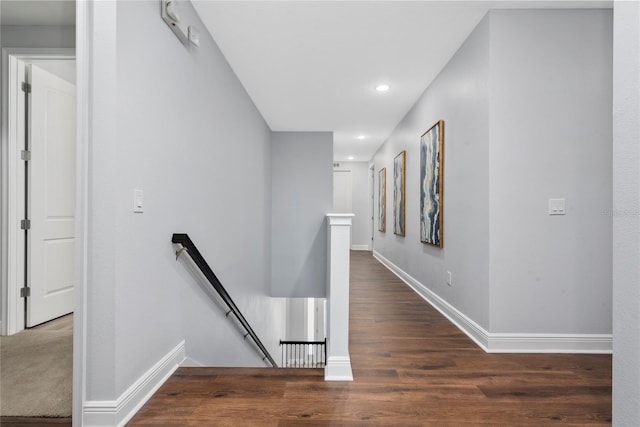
pixel 303 354
pixel 194 253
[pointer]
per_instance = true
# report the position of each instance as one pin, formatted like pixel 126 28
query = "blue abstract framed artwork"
pixel 399 179
pixel 382 200
pixel 431 174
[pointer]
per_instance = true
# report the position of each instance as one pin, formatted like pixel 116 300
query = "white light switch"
pixel 556 206
pixel 138 201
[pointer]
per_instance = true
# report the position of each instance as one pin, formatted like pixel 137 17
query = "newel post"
pixel 338 366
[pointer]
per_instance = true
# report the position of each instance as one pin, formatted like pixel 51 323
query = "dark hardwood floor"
pixel 411 366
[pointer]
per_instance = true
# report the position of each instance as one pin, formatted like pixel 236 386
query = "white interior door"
pixel 51 194
pixel 342 192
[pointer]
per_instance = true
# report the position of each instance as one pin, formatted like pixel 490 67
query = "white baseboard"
pixel 550 343
pixel 338 368
pixel 360 247
pixel 112 413
pixel 505 342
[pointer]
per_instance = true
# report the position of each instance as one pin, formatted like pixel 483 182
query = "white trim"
pixel 504 342
pixel 340 218
pixel 359 247
pixel 3 201
pixel 550 343
pixel 83 97
pixel 338 368
pixel 371 173
pixel 118 412
pixel 14 128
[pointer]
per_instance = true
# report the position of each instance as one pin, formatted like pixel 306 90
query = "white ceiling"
pixel 313 65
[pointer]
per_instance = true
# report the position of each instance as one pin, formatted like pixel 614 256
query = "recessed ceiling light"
pixel 382 88
pixel 350 158
pixel 361 137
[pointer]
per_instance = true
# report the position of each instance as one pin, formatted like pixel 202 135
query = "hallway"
pixel 411 367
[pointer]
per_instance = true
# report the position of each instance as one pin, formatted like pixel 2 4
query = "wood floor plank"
pixel 411 367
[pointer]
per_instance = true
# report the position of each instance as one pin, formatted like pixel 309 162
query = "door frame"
pixel 83 103
pixel 13 168
pixel 371 189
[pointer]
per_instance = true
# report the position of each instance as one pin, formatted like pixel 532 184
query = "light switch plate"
pixel 557 207
pixel 138 201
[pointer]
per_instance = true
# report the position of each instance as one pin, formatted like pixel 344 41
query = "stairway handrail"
pixel 184 240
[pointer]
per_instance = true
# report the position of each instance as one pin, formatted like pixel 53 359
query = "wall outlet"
pixel 449 278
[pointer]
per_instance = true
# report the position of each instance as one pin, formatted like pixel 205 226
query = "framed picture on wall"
pixel 431 177
pixel 399 193
pixel 382 200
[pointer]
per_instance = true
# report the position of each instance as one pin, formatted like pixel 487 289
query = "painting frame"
pixel 432 185
pixel 382 200
pixel 399 193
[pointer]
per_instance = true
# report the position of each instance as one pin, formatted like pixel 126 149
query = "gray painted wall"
pixel 360 202
pixel 626 218
pixel 301 195
pixel 460 97
pixel 526 105
pixel 175 122
pixel 551 127
pixel 296 319
pixel 38 36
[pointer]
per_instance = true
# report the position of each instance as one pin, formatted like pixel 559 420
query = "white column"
pixel 626 213
pixel 338 367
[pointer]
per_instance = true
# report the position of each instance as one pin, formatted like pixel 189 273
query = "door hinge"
pixel 25 224
pixel 26 87
pixel 25 155
pixel 25 292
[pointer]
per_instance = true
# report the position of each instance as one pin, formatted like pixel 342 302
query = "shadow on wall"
pixel 312 270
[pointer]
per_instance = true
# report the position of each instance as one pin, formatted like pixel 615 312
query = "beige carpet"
pixel 36 373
